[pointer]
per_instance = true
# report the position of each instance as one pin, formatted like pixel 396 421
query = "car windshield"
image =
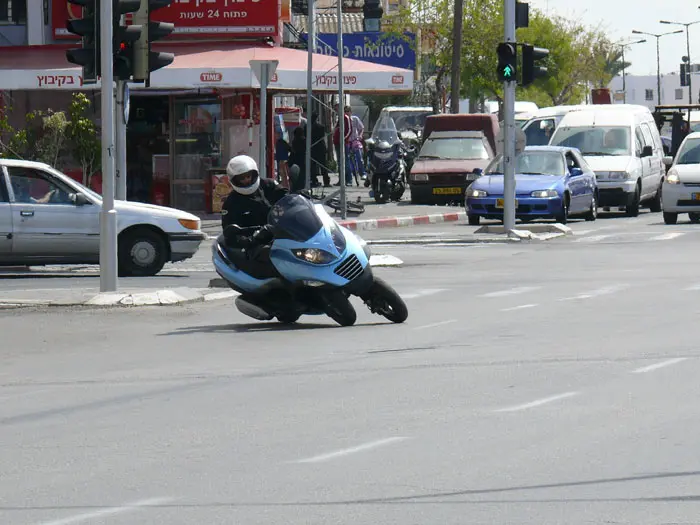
pixel 532 163
pixel 76 183
pixel 385 129
pixel 689 152
pixel 409 119
pixel 295 217
pixel 595 140
pixel 454 148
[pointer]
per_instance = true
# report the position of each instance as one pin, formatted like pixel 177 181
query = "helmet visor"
pixel 243 180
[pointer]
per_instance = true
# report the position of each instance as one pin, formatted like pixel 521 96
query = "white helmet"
pixel 239 168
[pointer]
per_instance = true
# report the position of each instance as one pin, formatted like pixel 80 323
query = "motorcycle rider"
pixel 244 214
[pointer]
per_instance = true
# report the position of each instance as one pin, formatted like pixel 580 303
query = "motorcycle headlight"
pixel 673 178
pixel 314 255
pixel 544 194
pixel 478 194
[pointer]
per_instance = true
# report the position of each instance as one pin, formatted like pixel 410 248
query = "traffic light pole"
pixel 120 153
pixel 509 131
pixel 108 215
pixel 310 47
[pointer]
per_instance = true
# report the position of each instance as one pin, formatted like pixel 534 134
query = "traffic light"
pixel 372 11
pixel 146 60
pixel 123 37
pixel 531 71
pixel 507 61
pixel 685 73
pixel 88 28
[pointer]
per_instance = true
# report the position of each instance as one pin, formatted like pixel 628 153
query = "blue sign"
pixel 371 47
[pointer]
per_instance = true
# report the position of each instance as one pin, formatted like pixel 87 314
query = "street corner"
pixel 403 221
pixel 534 232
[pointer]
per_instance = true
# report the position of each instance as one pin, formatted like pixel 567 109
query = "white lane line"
pixel 667 236
pixel 607 290
pixel 111 511
pixel 656 366
pixel 352 450
pixel 592 238
pixel 521 307
pixel 433 325
pixel 693 288
pixel 511 291
pixel 422 293
pixel 537 403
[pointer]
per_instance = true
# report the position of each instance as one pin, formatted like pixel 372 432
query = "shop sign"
pixel 195 18
pixel 372 47
pixel 332 80
pixel 211 76
pixel 58 81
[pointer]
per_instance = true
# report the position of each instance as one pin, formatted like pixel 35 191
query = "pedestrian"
pixel 298 158
pixel 319 151
pixel 282 150
pixel 345 148
pixel 356 140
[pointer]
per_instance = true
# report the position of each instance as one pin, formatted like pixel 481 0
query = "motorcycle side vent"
pixel 350 268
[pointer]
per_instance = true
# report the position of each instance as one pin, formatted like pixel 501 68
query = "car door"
pixel 46 221
pixel 576 185
pixel 5 218
pixel 656 166
pixel 643 161
pixel 588 179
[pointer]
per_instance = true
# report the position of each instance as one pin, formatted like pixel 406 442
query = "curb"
pixel 398 222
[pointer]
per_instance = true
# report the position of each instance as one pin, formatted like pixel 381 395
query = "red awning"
pixel 209 65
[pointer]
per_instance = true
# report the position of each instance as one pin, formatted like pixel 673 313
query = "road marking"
pixel 129 507
pixel 662 364
pixel 511 291
pixel 422 293
pixel 667 236
pixel 221 295
pixel 521 307
pixel 607 290
pixel 592 238
pixel 352 450
pixel 537 403
pixel 693 288
pixel 433 325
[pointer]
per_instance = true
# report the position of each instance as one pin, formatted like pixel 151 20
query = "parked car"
pixel 681 189
pixel 624 148
pixel 48 218
pixel 550 182
pixel 446 164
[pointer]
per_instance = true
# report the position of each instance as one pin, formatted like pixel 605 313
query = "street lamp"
pixel 687 41
pixel 623 45
pixel 658 58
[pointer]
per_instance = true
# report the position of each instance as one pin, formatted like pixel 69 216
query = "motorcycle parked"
pixel 318 265
pixel 386 164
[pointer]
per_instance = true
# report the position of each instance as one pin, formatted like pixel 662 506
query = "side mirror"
pixel 647 151
pixel 79 199
pixel 668 161
pixel 576 172
pixel 369 143
pixel 477 171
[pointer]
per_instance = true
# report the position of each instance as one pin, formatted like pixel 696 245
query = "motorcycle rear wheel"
pixel 382 299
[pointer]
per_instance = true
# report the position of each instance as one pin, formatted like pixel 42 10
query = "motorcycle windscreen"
pixel 385 130
pixel 295 218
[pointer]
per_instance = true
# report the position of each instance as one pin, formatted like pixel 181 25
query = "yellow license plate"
pixel 447 191
pixel 696 196
pixel 500 202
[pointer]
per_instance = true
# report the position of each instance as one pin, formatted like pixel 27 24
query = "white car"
pixel 681 190
pixel 48 218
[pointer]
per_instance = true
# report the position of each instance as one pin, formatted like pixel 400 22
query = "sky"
pixel 619 17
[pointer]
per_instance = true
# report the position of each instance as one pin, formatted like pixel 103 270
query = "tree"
pixel 84 140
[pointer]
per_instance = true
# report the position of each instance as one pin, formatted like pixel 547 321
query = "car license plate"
pixel 696 196
pixel 447 191
pixel 500 202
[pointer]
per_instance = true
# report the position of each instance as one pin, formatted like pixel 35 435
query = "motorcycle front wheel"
pixel 338 307
pixel 382 299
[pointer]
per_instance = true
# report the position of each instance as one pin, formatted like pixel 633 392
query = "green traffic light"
pixel 508 72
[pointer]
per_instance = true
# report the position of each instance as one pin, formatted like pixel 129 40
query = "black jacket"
pixel 250 211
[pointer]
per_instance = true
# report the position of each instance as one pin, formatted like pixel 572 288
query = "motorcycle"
pixel 318 265
pixel 386 166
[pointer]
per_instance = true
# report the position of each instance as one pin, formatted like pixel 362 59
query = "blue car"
pixel 551 182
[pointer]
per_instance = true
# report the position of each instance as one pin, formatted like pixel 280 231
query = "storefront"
pixel 200 110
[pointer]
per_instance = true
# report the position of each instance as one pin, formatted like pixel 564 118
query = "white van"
pixel 623 146
pixel 538 130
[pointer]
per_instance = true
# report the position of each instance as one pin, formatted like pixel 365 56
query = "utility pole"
pixel 310 47
pixel 509 123
pixel 341 115
pixel 457 53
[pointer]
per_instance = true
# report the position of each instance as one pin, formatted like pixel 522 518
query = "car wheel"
pixel 563 216
pixel 142 253
pixel 474 220
pixel 694 217
pixel 656 206
pixel 670 218
pixel 593 212
pixel 632 209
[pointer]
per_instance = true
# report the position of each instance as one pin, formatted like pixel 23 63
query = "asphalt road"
pixel 538 383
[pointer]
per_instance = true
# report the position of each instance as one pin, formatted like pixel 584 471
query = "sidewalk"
pixel 389 215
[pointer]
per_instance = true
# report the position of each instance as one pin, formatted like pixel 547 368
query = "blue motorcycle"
pixel 316 266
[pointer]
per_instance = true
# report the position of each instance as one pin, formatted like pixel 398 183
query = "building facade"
pixel 643 90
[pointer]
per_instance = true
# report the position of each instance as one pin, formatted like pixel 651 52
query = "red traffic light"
pixel 122 46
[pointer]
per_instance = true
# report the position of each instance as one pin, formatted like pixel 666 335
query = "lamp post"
pixel 658 58
pixel 687 43
pixel 623 45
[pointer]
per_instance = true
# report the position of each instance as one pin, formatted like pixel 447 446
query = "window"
pixel 455 148
pixel 679 94
pixel 648 140
pixel 4 197
pixel 648 94
pixel 596 140
pixel 540 131
pixel 13 11
pixel 34 187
